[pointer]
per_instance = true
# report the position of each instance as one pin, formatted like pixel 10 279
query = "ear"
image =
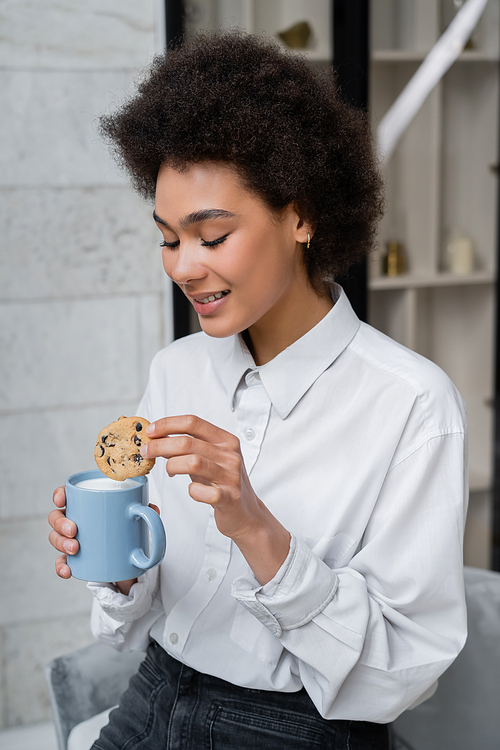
pixel 302 229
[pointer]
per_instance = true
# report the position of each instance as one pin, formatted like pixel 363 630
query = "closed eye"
pixel 205 243
pixel 212 243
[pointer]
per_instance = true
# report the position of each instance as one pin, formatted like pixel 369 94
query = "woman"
pixel 314 491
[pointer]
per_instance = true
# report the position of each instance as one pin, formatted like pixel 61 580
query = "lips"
pixel 210 303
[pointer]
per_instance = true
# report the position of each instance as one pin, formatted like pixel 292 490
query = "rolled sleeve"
pixel 125 608
pixel 302 588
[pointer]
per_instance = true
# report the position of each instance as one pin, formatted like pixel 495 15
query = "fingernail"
pixel 144 450
pixel 69 547
pixel 150 429
pixel 68 529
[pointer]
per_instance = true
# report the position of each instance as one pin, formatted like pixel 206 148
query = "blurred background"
pixel 84 303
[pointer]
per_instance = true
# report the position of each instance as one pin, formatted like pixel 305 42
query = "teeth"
pixel 212 298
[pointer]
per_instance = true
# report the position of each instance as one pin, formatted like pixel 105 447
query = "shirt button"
pixel 211 574
pixel 173 638
pixel 249 434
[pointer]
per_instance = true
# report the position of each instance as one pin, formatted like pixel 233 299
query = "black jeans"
pixel 169 706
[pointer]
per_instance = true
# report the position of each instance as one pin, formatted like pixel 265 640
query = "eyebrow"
pixel 205 214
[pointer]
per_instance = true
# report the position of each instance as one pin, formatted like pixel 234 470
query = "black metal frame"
pixel 174 33
pixel 495 500
pixel 495 507
pixel 174 21
pixel 351 55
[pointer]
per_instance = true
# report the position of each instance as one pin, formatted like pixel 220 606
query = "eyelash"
pixel 213 243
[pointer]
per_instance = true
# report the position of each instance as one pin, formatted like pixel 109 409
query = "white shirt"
pixel 357 445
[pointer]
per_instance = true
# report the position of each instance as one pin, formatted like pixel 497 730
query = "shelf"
pixel 408 281
pixel 314 57
pixel 397 55
pixel 477 56
pixel 401 56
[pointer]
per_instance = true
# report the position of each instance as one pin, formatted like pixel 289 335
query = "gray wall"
pixel 83 303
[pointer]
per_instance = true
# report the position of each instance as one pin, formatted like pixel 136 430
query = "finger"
pixel 59 497
pixel 63 544
pixel 204 493
pixel 155 507
pixel 57 519
pixel 199 468
pixel 181 445
pixel 189 424
pixel 62 568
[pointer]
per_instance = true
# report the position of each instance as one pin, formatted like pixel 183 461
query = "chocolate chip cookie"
pixel 117 449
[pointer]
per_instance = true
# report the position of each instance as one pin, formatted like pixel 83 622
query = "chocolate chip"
pixel 104 438
pixel 138 458
pixel 102 451
pixel 109 461
pixel 138 427
pixel 137 440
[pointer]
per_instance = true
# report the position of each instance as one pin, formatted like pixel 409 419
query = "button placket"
pixel 184 614
pixel 253 409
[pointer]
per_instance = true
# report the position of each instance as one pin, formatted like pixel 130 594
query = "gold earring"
pixel 308 241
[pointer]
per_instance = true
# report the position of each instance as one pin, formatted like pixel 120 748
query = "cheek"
pixel 267 269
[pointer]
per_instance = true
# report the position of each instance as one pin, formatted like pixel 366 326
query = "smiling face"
pixel 239 265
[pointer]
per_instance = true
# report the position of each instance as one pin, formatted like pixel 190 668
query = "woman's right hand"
pixel 62 535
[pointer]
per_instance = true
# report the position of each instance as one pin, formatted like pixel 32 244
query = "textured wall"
pixel 83 303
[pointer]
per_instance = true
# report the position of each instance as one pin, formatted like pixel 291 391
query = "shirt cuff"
pixel 300 590
pixel 125 608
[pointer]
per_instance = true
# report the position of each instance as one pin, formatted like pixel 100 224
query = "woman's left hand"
pixel 212 458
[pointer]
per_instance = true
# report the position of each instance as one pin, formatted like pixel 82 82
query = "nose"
pixel 183 265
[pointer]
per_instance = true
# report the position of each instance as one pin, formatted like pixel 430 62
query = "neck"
pixel 274 333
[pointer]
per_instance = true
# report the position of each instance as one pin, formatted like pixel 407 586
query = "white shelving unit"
pixel 441 179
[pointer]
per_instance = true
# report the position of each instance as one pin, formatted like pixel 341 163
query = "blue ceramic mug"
pixel 113 520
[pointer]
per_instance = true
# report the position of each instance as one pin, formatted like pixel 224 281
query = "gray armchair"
pixel 83 686
pixel 464 712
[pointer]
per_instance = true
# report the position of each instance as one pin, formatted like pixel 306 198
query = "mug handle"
pixel 158 538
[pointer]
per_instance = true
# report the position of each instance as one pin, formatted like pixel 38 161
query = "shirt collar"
pixel 292 372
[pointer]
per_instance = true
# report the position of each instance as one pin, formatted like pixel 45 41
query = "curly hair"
pixel 242 100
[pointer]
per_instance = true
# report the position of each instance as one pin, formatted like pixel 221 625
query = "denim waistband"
pixel 214 713
pixel 298 700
